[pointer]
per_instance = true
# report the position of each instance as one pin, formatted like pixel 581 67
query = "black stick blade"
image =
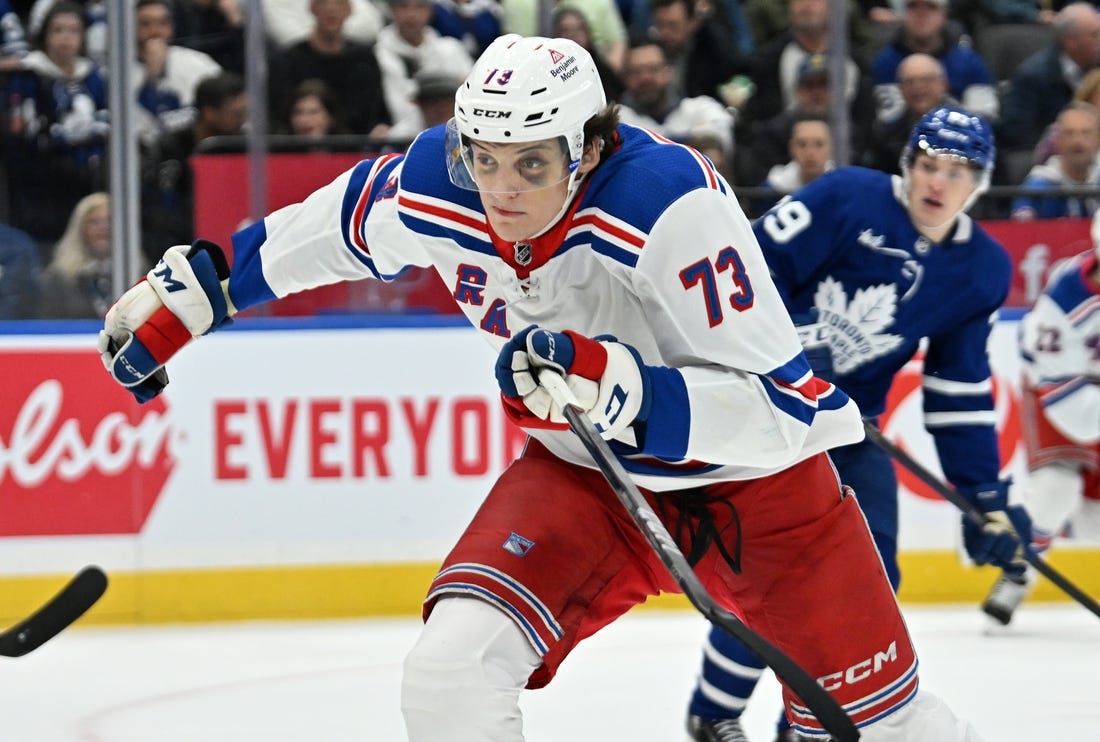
pixel 51 619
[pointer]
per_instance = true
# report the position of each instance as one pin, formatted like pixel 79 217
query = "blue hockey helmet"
pixel 953 132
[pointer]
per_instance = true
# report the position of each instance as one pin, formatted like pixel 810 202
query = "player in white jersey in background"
pixel 622 261
pixel 1060 350
pixel 871 264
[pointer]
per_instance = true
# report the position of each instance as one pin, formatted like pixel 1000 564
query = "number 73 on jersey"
pixel 706 273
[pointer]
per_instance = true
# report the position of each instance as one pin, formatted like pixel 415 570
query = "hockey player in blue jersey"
pixel 621 261
pixel 872 263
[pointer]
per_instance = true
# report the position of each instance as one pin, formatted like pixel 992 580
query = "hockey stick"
pixel 976 516
pixel 817 699
pixel 48 621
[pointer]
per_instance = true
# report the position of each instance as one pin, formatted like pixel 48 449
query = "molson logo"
pixel 77 454
pixel 903 422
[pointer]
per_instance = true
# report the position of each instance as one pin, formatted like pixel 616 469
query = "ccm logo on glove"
pixel 607 378
pixel 182 297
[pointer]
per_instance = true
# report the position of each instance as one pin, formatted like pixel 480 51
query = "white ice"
pixel 337 681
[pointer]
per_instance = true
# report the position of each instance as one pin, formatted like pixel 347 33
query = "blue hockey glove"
pixel 182 297
pixel 608 379
pixel 1006 533
pixel 814 337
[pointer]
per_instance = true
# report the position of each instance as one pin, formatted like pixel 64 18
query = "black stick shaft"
pixel 817 699
pixel 920 472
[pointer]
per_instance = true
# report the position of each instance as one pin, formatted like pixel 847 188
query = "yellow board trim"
pixel 344 591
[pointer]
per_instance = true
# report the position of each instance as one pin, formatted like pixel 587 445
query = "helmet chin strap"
pixel 575 180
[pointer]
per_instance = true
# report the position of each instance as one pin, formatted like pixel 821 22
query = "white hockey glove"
pixel 185 295
pixel 608 379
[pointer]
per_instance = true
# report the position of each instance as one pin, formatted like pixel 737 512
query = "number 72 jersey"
pixel 1060 348
pixel 654 251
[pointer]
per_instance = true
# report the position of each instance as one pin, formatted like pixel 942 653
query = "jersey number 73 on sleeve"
pixel 705 274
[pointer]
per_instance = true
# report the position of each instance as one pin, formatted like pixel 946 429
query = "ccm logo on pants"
pixel 860 670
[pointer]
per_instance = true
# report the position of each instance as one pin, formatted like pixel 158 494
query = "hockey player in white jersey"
pixel 1059 338
pixel 622 261
pixel 873 263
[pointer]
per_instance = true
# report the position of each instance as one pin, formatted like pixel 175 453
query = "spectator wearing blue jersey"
pixel 1044 83
pixel 166 73
pixel 869 278
pixel 473 22
pixel 13 39
pixel 925 30
pixel 55 111
pixel 1077 144
pixel 95 21
pixel 20 274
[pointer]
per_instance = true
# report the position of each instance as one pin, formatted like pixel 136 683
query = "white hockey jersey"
pixel 654 251
pixel 1060 348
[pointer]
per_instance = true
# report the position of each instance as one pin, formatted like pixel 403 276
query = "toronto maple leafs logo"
pixel 858 325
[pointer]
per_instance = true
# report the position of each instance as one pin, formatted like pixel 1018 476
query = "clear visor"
pixel 513 167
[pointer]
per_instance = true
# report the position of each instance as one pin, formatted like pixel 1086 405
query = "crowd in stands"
pixel 747 82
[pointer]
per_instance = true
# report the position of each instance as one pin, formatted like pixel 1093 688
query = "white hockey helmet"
pixel 524 89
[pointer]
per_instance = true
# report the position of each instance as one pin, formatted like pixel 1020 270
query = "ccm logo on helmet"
pixel 491 114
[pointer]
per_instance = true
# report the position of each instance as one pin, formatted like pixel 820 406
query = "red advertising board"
pixel 77 454
pixel 222 206
pixel 1035 246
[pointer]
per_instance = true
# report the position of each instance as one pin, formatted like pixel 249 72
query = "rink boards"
pixel 321 468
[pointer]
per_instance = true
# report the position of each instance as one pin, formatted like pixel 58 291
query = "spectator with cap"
pixel 409 46
pixel 777 63
pixel 923 84
pixel 434 102
pixel 925 30
pixel 766 143
pixel 1044 83
pixel 650 100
